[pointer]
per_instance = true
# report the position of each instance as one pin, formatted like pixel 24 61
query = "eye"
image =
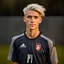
pixel 35 17
pixel 29 16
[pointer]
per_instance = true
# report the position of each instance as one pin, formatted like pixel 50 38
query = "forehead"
pixel 33 13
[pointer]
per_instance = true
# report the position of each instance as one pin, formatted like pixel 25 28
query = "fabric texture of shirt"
pixel 39 50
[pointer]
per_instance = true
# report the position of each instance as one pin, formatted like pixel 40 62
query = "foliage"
pixel 14 7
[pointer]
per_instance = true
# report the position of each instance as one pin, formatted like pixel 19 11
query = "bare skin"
pixel 32 19
pixel 32 33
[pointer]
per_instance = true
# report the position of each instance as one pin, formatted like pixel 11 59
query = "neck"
pixel 32 33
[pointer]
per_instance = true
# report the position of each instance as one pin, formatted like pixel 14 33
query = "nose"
pixel 32 20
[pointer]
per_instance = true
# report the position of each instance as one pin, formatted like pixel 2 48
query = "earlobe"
pixel 24 19
pixel 40 20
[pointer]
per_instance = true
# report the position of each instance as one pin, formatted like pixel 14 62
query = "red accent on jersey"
pixel 38 46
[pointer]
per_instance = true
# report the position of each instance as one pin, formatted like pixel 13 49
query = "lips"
pixel 32 24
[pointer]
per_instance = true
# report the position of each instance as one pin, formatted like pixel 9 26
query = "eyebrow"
pixel 29 16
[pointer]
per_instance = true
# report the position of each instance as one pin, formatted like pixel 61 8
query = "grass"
pixel 3 54
pixel 60 52
pixel 5 48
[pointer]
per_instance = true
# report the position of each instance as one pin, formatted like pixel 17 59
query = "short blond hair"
pixel 35 7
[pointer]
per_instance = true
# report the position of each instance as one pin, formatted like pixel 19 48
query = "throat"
pixel 32 34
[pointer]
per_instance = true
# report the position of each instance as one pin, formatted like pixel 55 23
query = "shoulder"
pixel 17 36
pixel 50 41
pixel 46 38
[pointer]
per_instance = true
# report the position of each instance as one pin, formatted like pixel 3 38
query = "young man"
pixel 32 47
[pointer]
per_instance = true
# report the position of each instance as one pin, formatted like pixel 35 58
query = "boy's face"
pixel 32 19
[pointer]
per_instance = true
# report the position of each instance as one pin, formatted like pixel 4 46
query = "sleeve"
pixel 48 59
pixel 54 57
pixel 12 54
pixel 53 52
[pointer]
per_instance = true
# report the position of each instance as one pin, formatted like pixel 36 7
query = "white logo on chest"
pixel 23 46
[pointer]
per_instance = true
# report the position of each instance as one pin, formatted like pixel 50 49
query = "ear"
pixel 24 18
pixel 40 20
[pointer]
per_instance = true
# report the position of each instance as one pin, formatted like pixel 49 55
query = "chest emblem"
pixel 23 46
pixel 38 46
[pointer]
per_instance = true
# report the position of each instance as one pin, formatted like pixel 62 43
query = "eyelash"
pixel 31 17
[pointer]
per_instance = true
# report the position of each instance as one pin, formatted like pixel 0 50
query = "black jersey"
pixel 30 51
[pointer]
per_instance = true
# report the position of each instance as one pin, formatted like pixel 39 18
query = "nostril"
pixel 32 21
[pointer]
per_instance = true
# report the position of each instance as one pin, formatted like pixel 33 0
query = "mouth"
pixel 32 25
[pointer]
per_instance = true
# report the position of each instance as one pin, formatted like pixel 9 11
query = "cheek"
pixel 39 21
pixel 27 22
